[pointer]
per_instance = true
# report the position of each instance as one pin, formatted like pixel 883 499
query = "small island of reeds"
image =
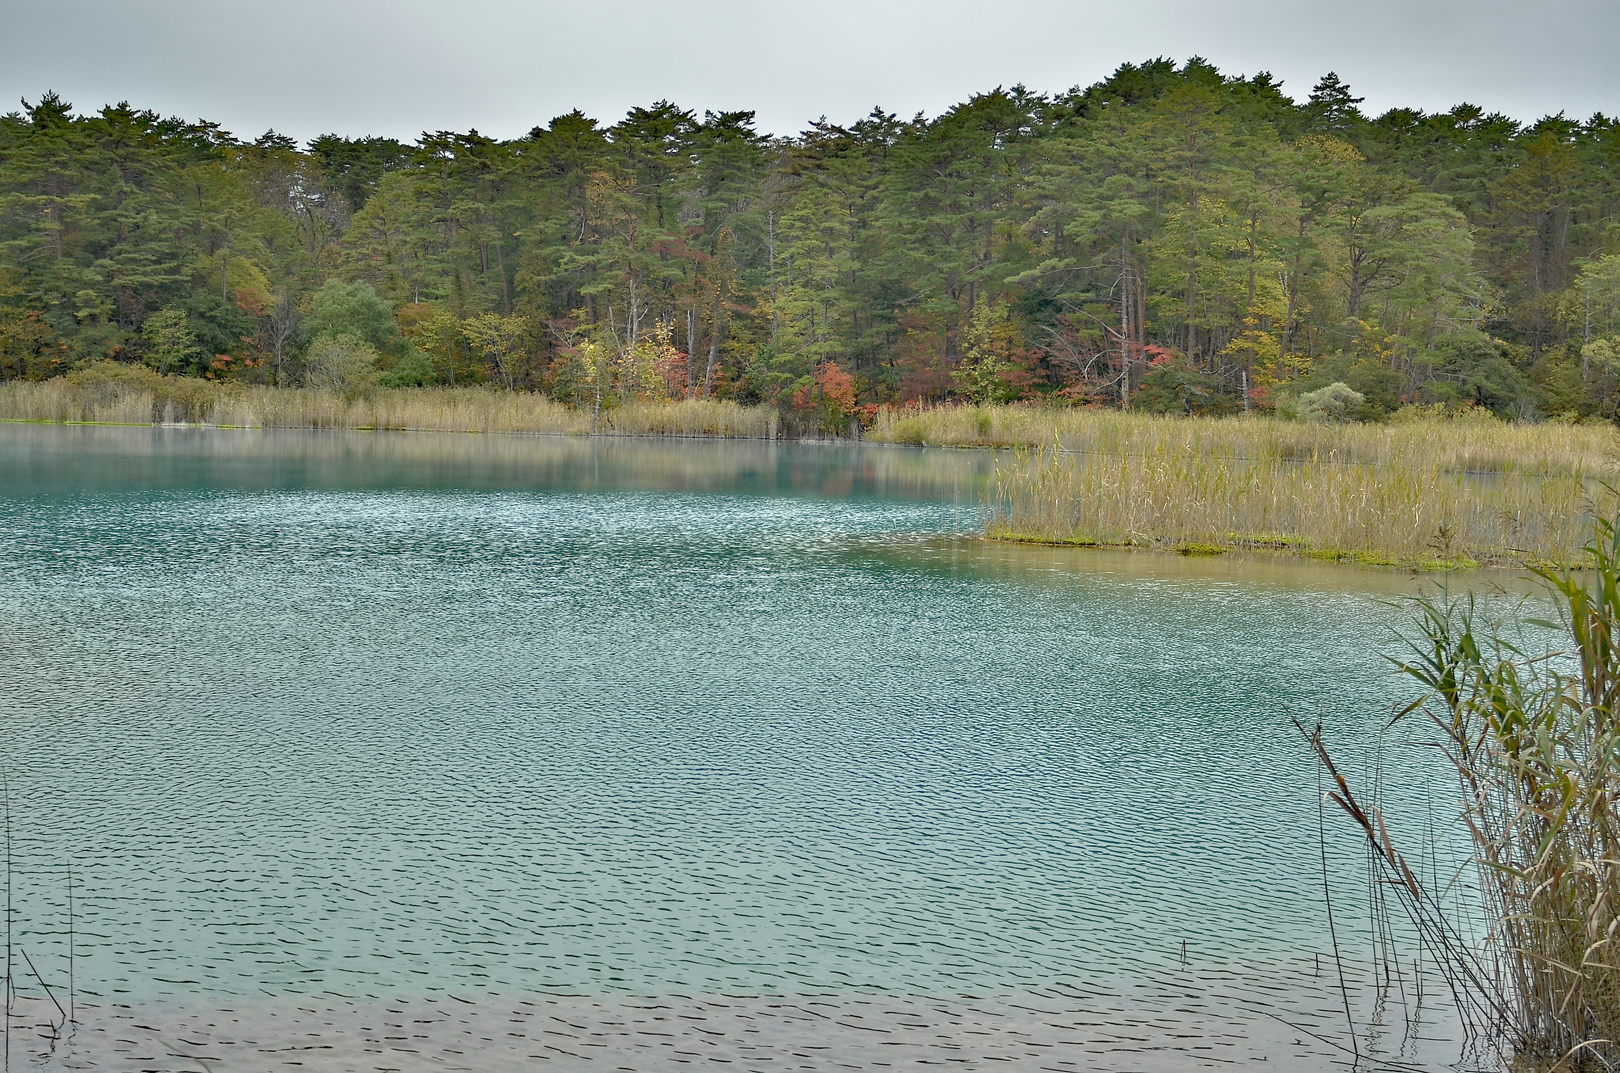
pixel 1427 488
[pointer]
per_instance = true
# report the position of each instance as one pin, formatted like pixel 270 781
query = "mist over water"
pixel 367 715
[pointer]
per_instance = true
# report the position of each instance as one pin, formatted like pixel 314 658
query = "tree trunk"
pixel 691 347
pixel 770 246
pixel 1287 346
pixel 1124 321
pixel 1192 279
pixel 500 266
pixel 714 339
pixel 1141 329
pixel 1251 315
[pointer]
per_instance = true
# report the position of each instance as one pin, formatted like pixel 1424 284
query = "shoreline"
pixel 1498 496
pixel 1273 549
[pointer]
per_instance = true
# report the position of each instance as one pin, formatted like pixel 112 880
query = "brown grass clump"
pixel 1470 443
pixel 132 394
pixel 694 417
pixel 1535 741
pixel 1398 513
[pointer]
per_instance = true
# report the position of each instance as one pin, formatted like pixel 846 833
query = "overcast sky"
pixel 399 67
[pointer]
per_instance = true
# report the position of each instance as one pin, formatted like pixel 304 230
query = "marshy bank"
pixel 133 395
pixel 1434 492
pixel 1180 497
pixel 1430 490
pixel 1467 442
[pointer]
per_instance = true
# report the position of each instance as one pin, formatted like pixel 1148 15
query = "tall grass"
pixel 1535 741
pixel 134 395
pixel 1394 513
pixel 1475 443
pixel 694 417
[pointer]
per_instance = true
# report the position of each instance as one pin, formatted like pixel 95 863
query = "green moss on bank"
pixel 1273 544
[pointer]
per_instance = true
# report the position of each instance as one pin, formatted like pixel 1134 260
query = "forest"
pixel 1171 240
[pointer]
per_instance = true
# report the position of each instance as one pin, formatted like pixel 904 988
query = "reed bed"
pixel 1175 496
pixel 694 417
pixel 1475 443
pixel 1534 738
pixel 136 396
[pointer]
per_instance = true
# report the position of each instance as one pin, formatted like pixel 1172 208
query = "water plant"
pixel 1455 442
pixel 122 394
pixel 10 985
pixel 1534 739
pixel 1180 493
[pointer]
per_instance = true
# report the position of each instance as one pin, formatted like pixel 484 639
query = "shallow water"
pixel 332 722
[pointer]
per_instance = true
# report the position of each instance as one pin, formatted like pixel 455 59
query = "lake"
pixel 395 751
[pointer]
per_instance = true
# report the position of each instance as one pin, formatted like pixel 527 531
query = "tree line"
pixel 1169 239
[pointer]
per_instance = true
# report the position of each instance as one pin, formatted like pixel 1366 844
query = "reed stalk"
pixel 1469 443
pixel 137 396
pixel 1178 495
pixel 1534 740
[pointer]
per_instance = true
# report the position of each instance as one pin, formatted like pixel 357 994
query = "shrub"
pixel 1336 402
pixel 345 364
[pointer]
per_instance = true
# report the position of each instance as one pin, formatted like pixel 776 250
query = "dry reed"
pixel 1476 443
pixel 1535 743
pixel 134 395
pixel 1390 514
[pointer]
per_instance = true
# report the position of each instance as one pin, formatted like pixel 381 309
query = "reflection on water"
pixel 52 459
pixel 329 723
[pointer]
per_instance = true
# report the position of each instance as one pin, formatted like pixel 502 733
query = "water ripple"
pixel 610 741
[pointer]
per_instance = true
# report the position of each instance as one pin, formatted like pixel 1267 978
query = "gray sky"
pixel 396 68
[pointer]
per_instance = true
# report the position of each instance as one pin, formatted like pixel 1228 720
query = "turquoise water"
pixel 362 714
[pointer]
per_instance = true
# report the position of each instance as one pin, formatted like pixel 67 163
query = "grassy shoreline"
pixel 137 397
pixel 1430 491
pixel 1433 492
pixel 1282 548
pixel 1465 443
pixel 1387 513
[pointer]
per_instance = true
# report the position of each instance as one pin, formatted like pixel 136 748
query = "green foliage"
pixel 499 341
pixel 220 326
pixel 357 165
pixel 411 369
pixel 986 356
pixel 1336 402
pixel 351 309
pixel 26 351
pixel 1378 384
pixel 1481 371
pixel 171 345
pixel 1600 367
pixel 1176 386
pixel 346 364
pixel 1559 389
pixel 1277 246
